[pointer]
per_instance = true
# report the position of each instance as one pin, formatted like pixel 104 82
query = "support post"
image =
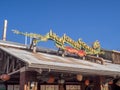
pixel 28 80
pixel 61 87
pixel 22 79
pixel 97 81
pixel 34 46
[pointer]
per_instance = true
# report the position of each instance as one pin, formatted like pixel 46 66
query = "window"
pixel 13 87
pixel 73 87
pixel 49 87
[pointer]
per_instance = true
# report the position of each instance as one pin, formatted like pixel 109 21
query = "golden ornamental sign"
pixel 75 47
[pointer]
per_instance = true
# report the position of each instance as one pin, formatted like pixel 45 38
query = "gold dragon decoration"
pixel 75 47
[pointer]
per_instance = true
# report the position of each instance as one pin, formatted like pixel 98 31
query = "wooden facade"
pixel 113 56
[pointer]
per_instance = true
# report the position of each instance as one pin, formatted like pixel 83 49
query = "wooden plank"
pixel 96 58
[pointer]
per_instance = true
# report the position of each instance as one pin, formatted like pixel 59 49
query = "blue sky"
pixel 87 19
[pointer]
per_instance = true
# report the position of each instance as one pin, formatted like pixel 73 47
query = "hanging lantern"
pixel 79 77
pixel 110 82
pixel 5 77
pixel 87 82
pixel 51 79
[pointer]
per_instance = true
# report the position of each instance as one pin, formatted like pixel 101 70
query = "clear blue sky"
pixel 87 19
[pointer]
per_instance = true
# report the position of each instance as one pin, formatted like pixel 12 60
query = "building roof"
pixel 59 63
pixel 55 62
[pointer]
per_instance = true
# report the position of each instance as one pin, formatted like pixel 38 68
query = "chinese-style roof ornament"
pixel 79 47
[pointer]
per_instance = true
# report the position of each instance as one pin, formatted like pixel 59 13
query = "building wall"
pixel 112 56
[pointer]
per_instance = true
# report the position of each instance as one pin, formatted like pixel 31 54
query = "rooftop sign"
pixel 76 47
